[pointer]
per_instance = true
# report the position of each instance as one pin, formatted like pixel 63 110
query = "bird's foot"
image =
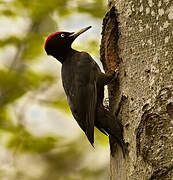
pixel 113 75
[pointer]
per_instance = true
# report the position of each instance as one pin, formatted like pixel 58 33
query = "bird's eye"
pixel 62 35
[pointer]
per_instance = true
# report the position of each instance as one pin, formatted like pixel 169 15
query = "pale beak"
pixel 76 34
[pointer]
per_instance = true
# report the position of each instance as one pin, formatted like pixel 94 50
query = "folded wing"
pixel 82 95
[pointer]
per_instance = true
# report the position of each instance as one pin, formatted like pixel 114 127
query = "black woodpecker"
pixel 84 83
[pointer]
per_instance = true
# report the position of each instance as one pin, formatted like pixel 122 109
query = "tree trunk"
pixel 138 35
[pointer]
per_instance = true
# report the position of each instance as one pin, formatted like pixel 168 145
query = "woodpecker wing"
pixel 81 92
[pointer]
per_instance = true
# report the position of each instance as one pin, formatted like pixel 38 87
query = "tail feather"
pixel 109 123
pixel 113 146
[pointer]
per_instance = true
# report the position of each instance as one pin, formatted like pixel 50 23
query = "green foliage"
pixel 60 103
pixel 18 79
pixel 14 84
pixel 38 9
pixel 100 138
pixel 4 117
pixel 7 13
pixel 11 40
pixel 96 8
pixel 90 46
pixel 25 142
pixel 33 46
pixel 6 9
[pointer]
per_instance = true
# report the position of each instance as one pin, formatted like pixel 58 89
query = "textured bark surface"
pixel 141 42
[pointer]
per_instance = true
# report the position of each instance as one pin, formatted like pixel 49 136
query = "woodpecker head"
pixel 58 44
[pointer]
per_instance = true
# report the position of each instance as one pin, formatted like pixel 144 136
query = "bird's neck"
pixel 62 56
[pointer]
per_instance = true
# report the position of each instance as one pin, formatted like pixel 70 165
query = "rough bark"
pixel 138 35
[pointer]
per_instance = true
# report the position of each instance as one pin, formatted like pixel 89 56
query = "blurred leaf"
pixel 33 47
pixel 8 13
pixel 60 103
pixel 4 117
pixel 39 9
pixel 95 8
pixel 63 162
pixel 93 45
pixel 101 138
pixel 47 25
pixel 15 84
pixel 25 142
pixel 10 40
pixel 7 9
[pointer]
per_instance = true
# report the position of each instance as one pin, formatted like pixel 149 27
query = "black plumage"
pixel 84 83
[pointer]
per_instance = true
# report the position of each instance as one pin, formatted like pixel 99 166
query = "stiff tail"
pixel 109 124
pixel 113 146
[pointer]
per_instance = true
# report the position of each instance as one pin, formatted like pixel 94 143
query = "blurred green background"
pixel 39 139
